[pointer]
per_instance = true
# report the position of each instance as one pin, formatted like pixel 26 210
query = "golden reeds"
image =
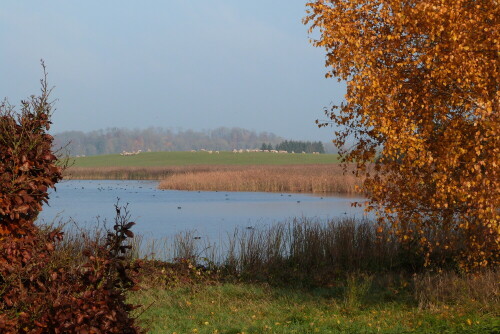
pixel 290 178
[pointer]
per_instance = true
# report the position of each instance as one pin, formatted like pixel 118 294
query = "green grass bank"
pixel 245 308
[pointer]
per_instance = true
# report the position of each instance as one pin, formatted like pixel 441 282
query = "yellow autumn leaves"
pixel 423 102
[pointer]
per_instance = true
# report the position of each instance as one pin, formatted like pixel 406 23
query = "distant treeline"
pixel 115 140
pixel 296 146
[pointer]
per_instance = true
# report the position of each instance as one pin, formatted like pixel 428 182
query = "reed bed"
pixel 301 249
pixel 301 244
pixel 320 179
pixel 312 251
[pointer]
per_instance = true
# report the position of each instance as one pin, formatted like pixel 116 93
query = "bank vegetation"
pixel 301 276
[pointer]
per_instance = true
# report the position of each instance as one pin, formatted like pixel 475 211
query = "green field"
pixel 161 159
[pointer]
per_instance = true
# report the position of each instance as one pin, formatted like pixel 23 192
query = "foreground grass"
pixel 161 159
pixel 260 308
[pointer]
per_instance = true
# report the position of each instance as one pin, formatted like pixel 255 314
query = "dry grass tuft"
pixel 480 289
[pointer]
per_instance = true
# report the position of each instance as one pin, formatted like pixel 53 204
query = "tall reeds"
pixel 300 249
pixel 340 245
pixel 319 179
pixel 316 251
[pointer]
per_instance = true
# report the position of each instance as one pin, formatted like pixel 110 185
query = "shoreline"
pixel 307 179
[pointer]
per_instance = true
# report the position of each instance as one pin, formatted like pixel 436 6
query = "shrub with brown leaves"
pixel 36 294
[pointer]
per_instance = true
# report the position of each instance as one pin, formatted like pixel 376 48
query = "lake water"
pixel 164 213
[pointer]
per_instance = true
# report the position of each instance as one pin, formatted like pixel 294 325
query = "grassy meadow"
pixel 164 159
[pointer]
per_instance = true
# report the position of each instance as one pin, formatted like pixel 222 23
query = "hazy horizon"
pixel 155 139
pixel 296 137
pixel 186 65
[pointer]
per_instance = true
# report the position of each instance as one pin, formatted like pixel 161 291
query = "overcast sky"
pixel 186 64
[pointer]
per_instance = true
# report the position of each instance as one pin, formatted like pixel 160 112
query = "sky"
pixel 174 64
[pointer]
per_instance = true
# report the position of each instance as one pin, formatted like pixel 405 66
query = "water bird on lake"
pixel 179 207
pixel 298 201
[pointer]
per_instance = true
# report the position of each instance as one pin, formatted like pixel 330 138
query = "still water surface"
pixel 164 213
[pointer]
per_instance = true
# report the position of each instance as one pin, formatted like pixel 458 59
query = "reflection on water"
pixel 163 213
